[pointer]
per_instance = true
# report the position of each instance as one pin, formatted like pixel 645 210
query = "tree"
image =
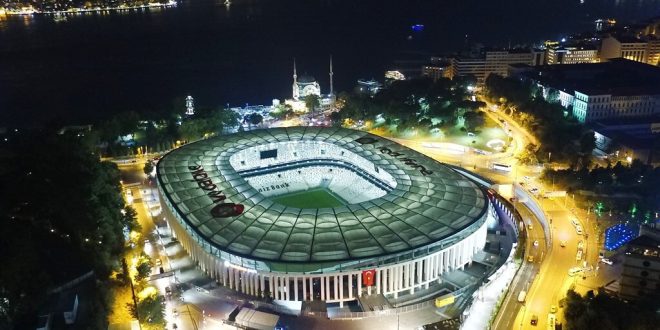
pixel 143 267
pixel 312 102
pixel 587 143
pixel 255 119
pixel 148 168
pixel 150 310
pixel 528 156
pixel 474 119
pixel 335 117
pixel 129 219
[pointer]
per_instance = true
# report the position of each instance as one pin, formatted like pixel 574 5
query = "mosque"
pixel 307 85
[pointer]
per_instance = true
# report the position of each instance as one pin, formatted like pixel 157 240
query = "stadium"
pixel 313 213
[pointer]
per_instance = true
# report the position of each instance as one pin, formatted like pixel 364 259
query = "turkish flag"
pixel 368 277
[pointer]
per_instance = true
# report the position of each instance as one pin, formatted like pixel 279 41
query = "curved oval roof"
pixel 430 202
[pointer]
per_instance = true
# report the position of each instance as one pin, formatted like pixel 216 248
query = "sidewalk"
pixel 486 300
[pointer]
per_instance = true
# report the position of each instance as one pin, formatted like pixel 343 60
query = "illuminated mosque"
pixel 307 85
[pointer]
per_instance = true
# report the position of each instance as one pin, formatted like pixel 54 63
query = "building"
pixel 410 219
pixel 572 55
pixel 623 139
pixel 369 87
pixel 437 69
pixel 654 51
pixel 306 86
pixel 604 24
pixel 598 91
pixel 641 266
pixel 468 67
pixel 630 48
pixel 493 62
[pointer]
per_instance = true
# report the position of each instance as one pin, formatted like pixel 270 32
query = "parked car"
pixel 607 261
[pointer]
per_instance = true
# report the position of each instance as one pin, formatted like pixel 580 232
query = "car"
pixel 536 243
pixel 580 245
pixel 578 256
pixel 575 222
pixel 574 271
pixel 553 309
pixel 534 320
pixel 601 255
pixel 147 241
pixel 562 243
pixel 529 226
pixel 578 229
pixel 607 261
pixel 534 190
pixel 168 291
pixel 530 258
pixel 175 312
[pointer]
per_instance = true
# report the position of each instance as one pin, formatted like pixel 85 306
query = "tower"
pixel 190 106
pixel 332 92
pixel 296 94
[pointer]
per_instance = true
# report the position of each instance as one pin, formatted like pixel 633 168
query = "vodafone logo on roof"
pixel 222 210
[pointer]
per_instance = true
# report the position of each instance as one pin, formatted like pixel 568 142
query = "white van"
pixel 521 296
pixel 578 229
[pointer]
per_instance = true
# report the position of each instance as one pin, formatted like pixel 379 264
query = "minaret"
pixel 295 81
pixel 332 91
pixel 190 106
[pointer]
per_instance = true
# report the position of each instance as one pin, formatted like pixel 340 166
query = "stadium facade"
pixel 400 219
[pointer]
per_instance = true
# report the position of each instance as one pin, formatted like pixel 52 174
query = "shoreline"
pixel 30 12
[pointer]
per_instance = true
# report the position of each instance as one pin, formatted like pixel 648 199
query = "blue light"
pixel 418 27
pixel 618 235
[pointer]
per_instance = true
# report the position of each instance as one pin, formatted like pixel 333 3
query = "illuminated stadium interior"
pixel 311 174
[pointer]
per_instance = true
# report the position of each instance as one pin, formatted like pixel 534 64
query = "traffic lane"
pixel 133 173
pixel 547 290
pixel 507 315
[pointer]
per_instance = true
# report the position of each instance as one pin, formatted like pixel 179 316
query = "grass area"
pixel 313 199
pixel 490 131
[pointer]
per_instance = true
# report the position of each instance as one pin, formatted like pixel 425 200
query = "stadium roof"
pixel 420 210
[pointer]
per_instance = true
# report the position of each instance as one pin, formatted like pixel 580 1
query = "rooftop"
pixel 422 210
pixel 617 77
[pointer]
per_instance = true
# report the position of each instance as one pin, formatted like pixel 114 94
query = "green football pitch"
pixel 311 199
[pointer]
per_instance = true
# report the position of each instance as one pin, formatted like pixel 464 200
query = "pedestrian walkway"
pixel 483 307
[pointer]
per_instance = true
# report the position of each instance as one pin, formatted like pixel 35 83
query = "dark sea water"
pixel 94 65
